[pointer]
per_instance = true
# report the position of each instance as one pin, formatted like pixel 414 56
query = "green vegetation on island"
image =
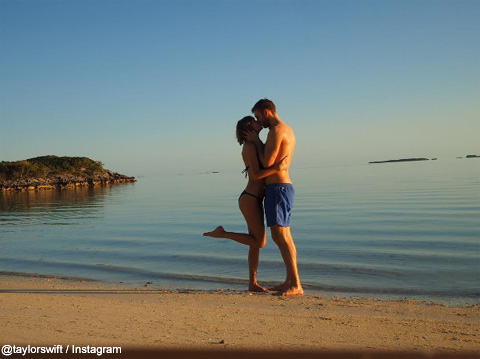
pixel 52 171
pixel 47 166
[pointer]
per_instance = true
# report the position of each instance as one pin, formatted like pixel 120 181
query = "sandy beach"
pixel 51 311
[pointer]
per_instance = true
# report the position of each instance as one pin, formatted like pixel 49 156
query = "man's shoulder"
pixel 282 133
pixel 282 129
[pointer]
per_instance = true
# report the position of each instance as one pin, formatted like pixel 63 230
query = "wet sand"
pixel 46 311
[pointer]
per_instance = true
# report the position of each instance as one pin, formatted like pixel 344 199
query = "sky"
pixel 157 86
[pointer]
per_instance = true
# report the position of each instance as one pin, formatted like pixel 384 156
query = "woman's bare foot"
pixel 257 288
pixel 216 233
pixel 290 292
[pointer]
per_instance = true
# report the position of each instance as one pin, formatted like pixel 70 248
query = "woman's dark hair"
pixel 244 125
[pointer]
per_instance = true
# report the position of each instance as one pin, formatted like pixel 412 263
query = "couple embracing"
pixel 266 166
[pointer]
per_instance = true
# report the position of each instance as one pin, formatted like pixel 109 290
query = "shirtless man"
pixel 280 194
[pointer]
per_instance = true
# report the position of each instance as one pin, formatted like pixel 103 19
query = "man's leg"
pixel 283 238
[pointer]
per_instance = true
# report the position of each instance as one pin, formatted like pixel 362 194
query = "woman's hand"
pixel 282 165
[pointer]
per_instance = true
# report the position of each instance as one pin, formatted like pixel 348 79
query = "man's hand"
pixel 251 136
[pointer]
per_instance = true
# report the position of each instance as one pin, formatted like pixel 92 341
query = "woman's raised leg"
pixel 256 238
pixel 252 211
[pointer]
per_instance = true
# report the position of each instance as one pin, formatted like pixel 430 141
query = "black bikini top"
pixel 246 171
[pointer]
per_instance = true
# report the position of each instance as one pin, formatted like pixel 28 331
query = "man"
pixel 279 190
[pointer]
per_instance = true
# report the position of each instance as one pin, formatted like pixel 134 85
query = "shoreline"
pixel 51 311
pixel 192 283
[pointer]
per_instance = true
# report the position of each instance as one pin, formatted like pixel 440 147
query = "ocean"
pixel 392 231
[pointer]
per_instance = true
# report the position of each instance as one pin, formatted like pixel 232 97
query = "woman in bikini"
pixel 251 201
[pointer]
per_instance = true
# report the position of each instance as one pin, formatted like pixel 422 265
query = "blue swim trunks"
pixel 279 199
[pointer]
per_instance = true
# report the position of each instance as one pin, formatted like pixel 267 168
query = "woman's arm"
pixel 268 151
pixel 250 154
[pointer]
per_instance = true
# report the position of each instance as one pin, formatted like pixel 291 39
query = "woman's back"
pixel 255 185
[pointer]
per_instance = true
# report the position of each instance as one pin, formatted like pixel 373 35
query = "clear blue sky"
pixel 161 84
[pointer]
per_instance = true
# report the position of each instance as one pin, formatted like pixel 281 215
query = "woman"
pixel 251 201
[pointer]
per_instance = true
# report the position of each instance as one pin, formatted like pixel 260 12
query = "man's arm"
pixel 268 153
pixel 258 172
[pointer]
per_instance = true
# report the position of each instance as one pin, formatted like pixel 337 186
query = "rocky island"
pixel 50 172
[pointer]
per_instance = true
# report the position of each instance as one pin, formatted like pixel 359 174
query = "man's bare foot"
pixel 290 292
pixel 216 233
pixel 257 288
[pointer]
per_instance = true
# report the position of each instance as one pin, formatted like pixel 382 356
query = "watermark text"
pixel 8 350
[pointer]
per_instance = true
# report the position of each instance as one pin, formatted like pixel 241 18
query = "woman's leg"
pixel 243 238
pixel 252 211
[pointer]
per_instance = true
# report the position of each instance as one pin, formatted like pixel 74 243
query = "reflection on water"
pixel 51 207
pixel 53 198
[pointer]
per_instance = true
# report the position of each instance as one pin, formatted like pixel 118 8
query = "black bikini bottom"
pixel 249 194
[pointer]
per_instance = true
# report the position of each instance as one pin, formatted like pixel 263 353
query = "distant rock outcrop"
pixel 402 160
pixel 50 172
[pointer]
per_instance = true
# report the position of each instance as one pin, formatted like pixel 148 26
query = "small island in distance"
pixel 52 172
pixel 418 159
pixel 402 160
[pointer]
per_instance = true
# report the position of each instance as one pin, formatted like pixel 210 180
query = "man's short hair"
pixel 264 104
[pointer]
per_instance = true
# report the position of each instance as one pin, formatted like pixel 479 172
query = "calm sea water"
pixel 395 230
